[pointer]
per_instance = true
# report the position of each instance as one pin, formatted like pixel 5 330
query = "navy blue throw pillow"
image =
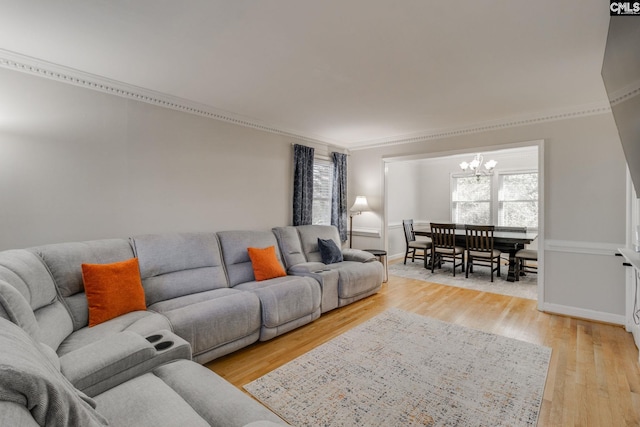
pixel 329 251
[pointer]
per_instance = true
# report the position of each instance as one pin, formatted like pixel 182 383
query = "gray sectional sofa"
pixel 202 302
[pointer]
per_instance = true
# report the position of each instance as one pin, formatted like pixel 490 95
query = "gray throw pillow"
pixel 329 251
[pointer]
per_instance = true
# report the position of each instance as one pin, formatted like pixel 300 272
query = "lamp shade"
pixel 490 164
pixel 360 205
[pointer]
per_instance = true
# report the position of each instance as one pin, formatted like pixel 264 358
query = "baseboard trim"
pixel 583 313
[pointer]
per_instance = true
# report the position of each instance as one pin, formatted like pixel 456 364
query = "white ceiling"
pixel 348 72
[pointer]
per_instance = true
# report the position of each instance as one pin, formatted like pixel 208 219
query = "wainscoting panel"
pixel 584 279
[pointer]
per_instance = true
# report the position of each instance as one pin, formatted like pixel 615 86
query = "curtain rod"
pixel 327 146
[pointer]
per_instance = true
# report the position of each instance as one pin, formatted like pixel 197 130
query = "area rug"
pixel 526 287
pixel 404 369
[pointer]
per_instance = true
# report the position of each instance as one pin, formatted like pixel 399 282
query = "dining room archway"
pixel 422 187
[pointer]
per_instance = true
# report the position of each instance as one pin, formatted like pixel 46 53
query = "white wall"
pixel 584 205
pixel 77 164
pixel 403 182
pixel 436 188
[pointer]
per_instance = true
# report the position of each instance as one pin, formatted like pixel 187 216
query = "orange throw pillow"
pixel 112 289
pixel 265 263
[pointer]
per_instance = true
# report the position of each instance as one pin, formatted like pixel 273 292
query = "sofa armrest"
pixel 115 359
pixel 328 279
pixel 307 267
pixel 357 255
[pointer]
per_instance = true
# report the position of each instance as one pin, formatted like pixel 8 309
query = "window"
pixel 471 200
pixel 322 185
pixel 506 199
pixel 518 200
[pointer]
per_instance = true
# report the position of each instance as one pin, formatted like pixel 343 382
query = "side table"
pixel 382 256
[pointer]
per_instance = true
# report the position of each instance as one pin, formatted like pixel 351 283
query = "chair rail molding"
pixel 367 232
pixel 580 247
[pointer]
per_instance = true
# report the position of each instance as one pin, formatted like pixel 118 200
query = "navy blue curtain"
pixel 339 194
pixel 302 184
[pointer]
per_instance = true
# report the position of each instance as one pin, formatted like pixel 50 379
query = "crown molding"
pixel 627 92
pixel 570 113
pixel 60 73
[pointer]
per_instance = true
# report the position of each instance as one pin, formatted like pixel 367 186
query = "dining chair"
pixel 522 256
pixel 414 245
pixel 443 238
pixel 480 251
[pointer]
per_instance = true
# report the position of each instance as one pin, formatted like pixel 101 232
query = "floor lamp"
pixel 358 207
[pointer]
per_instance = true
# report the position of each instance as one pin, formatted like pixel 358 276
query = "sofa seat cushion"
pixel 208 320
pixel 142 322
pixel 356 278
pixel 146 401
pixel 285 299
pixel 180 393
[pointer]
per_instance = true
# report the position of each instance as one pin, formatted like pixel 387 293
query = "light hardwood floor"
pixel 594 375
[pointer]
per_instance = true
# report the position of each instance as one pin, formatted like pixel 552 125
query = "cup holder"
pixel 163 345
pixel 154 338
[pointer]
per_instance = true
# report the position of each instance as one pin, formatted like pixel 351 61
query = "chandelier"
pixel 474 168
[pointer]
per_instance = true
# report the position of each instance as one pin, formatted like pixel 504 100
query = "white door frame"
pixel 541 198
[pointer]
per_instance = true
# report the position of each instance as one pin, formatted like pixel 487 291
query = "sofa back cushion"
pixel 64 261
pixel 309 235
pixel 290 246
pixel 25 272
pixel 235 255
pixel 178 264
pixel 15 308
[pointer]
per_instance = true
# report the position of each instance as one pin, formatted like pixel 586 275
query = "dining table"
pixel 507 240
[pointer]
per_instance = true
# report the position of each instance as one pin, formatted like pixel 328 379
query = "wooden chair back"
pixel 443 235
pixel 409 235
pixel 479 238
